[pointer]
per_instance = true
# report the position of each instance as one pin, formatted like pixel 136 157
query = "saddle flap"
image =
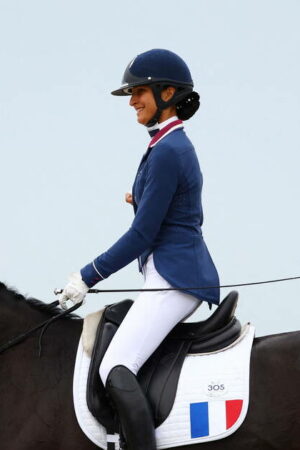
pixel 97 400
pixel 96 396
pixel 160 374
pixel 159 377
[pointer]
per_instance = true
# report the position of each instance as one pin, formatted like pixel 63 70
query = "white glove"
pixel 75 291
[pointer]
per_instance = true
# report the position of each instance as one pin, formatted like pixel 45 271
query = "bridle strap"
pixel 44 325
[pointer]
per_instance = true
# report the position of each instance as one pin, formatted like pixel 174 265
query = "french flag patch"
pixel 214 417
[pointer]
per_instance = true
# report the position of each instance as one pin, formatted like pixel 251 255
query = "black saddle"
pixel 160 374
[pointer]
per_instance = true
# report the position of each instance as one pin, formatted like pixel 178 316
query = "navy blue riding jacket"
pixel 168 218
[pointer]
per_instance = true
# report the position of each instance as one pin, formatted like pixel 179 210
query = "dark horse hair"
pixel 49 309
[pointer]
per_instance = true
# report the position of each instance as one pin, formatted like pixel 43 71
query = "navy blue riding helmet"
pixel 159 69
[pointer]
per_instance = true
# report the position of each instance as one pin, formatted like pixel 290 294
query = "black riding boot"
pixel 133 409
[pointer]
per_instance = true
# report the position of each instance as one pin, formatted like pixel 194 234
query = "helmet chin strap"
pixel 160 104
pixel 155 118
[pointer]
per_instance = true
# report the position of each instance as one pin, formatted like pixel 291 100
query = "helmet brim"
pixel 121 92
pixel 126 89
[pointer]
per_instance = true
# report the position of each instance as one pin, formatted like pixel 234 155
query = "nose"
pixel 132 100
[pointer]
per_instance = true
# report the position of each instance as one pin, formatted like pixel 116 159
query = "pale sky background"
pixel 70 150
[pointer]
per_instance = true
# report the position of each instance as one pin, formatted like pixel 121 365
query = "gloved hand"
pixel 75 291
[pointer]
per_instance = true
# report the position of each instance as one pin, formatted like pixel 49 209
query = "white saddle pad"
pixel 211 400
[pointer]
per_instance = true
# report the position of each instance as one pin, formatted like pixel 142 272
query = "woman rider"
pixel 165 236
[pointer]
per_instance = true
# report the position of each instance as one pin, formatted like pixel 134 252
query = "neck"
pixel 159 125
pixel 167 114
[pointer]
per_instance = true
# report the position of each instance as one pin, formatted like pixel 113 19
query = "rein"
pixel 44 325
pixel 103 291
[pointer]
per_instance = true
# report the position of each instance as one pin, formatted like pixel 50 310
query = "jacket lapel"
pixel 157 137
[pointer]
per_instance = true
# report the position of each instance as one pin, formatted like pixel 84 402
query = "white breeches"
pixel 151 317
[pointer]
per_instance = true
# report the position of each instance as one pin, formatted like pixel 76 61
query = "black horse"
pixel 36 405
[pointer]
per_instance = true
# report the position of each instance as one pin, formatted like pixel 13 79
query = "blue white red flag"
pixel 213 417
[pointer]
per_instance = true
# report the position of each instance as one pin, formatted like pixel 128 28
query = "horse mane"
pixel 47 308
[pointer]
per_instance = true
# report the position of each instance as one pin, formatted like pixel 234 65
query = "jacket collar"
pixel 164 128
pixel 158 126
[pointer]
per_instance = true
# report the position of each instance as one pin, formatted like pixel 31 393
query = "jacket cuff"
pixel 91 275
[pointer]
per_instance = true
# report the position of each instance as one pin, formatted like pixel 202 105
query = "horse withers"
pixel 36 409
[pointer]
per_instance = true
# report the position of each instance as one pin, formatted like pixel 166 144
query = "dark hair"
pixel 187 107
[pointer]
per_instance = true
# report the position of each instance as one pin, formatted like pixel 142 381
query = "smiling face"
pixel 142 100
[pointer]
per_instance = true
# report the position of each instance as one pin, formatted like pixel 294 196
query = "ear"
pixel 168 93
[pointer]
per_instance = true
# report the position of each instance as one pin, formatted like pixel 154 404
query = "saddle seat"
pixel 160 374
